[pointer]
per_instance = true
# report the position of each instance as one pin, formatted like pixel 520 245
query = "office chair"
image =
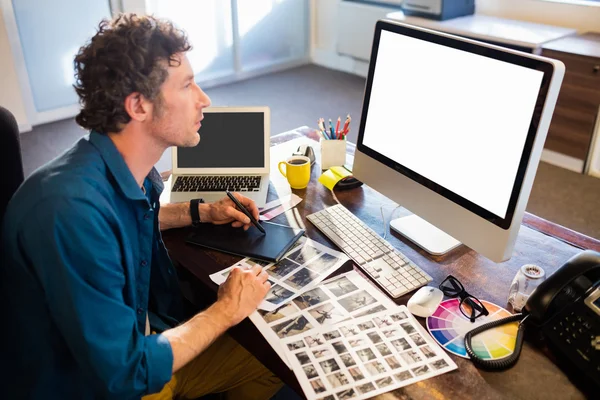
pixel 11 165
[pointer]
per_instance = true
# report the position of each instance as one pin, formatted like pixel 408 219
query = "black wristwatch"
pixel 194 213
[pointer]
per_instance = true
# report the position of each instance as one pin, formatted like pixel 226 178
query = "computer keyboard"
pixel 216 183
pixel 390 268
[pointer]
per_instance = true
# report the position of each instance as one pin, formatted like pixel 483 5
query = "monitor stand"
pixel 424 235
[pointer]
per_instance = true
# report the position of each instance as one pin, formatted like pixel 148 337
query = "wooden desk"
pixel 540 242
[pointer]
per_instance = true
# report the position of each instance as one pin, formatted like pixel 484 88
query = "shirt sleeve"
pixel 76 254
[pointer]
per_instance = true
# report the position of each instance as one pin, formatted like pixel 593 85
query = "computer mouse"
pixel 425 301
pixel 307 151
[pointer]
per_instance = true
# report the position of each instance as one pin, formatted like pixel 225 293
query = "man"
pixel 85 276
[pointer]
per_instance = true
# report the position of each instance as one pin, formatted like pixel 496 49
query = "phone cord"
pixel 504 363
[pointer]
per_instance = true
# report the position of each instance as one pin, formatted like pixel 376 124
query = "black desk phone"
pixel 563 314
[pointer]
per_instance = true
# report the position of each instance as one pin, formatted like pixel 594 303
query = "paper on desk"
pixel 364 357
pixel 301 269
pixel 345 296
pixel 284 203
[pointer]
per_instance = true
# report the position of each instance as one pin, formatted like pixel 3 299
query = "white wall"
pixel 324 51
pixel 10 92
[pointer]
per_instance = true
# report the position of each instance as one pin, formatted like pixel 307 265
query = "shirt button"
pixel 146 216
pixel 143 263
pixel 140 311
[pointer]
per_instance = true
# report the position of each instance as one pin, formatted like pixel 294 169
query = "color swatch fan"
pixel 448 327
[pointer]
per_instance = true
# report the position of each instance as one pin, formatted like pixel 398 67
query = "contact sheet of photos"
pixel 302 268
pixel 360 358
pixel 339 298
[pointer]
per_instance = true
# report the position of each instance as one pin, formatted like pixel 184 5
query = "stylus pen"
pixel 243 209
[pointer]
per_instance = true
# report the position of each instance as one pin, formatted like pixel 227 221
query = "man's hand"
pixel 224 211
pixel 242 292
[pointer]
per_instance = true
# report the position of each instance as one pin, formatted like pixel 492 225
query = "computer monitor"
pixel 453 129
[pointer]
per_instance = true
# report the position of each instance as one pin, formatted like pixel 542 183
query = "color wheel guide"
pixel 448 327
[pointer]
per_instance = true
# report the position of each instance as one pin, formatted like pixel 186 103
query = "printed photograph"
pixel 332 335
pixel 329 366
pixel 422 370
pixel 400 344
pixel 292 327
pixel 310 298
pixel 314 340
pixel 383 349
pixel 358 342
pixel 366 354
pixel 391 333
pixel 339 347
pixel 402 376
pixel 346 394
pixel 410 357
pixel 398 316
pixel 373 310
pixel 357 301
pixel 387 381
pixel 322 263
pixel 282 268
pixel 327 314
pixel 365 388
pixel 383 322
pixel 301 278
pixel 347 359
pixel 427 351
pixel 439 364
pixel 280 312
pixel 317 386
pixel 366 325
pixel 310 371
pixel 330 397
pixel 356 374
pixel 304 254
pixel 418 339
pixel 338 379
pixel 408 328
pixel 349 330
pixel 278 294
pixel 375 338
pixel 296 345
pixel 341 286
pixel 375 368
pixel 302 358
pixel 321 352
pixel 393 362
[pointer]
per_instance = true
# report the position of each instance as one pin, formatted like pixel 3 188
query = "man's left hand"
pixel 224 211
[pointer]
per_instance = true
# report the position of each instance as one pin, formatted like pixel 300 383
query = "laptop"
pixel 233 154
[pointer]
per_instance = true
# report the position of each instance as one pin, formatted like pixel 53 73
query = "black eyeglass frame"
pixel 459 291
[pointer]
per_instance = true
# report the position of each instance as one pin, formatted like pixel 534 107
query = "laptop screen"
pixel 227 140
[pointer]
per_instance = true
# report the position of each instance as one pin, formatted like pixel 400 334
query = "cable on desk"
pixel 385 225
pixel 335 197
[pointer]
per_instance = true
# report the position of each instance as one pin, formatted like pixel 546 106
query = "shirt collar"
pixel 119 169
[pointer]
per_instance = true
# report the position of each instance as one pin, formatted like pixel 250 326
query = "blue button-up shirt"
pixel 82 260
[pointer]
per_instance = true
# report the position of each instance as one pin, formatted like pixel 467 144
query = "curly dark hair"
pixel 129 54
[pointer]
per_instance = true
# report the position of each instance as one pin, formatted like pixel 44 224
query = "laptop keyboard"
pixel 216 183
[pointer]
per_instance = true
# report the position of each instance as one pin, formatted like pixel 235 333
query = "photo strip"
pixel 301 269
pixel 380 363
pixel 320 306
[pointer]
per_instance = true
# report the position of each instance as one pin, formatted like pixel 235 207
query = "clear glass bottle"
pixel 524 283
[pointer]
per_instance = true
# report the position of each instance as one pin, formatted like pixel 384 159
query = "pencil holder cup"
pixel 333 153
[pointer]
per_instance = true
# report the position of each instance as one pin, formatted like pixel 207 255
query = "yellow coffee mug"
pixel 297 171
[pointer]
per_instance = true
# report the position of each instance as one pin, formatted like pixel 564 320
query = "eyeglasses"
pixel 470 306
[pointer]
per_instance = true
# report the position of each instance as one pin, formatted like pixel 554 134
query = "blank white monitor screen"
pixel 456 118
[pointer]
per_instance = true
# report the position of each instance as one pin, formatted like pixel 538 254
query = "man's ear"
pixel 138 107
